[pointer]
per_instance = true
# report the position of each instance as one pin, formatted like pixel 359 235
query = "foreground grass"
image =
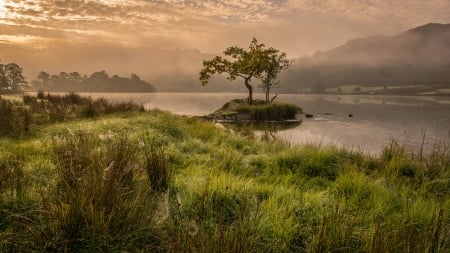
pixel 152 181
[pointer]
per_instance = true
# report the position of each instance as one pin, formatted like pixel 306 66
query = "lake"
pixel 360 122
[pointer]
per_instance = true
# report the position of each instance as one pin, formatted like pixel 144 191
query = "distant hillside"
pixel 419 57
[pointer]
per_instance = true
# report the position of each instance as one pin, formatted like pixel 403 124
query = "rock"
pixel 307 115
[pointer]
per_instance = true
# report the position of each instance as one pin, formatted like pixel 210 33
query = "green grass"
pixel 258 111
pixel 273 111
pixel 152 181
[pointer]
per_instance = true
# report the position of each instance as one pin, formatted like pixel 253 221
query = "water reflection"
pixel 375 119
pixel 267 131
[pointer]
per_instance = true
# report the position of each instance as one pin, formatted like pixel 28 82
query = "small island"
pixel 239 110
pixel 257 62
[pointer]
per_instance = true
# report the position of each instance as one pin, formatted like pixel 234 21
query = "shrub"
pixel 40 94
pixel 275 111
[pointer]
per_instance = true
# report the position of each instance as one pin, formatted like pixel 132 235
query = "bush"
pixel 275 111
pixel 15 119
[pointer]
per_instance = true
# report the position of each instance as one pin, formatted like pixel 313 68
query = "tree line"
pixel 11 77
pixel 96 82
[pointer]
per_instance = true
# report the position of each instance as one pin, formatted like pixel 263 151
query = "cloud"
pixel 381 12
pixel 299 26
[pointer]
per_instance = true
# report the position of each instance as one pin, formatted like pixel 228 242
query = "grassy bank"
pixel 152 181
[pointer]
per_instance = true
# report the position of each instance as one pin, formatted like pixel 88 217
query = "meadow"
pixel 83 175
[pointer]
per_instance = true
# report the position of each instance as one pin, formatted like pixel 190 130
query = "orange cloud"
pixel 299 26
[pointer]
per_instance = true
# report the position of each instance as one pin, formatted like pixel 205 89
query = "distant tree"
pixel 54 79
pixel 13 73
pixel 44 77
pixel 246 64
pixel 135 78
pixel 99 76
pixel 357 89
pixel 63 76
pixel 3 80
pixel 75 77
pixel 275 64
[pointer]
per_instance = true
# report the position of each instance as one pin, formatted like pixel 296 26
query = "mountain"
pixel 419 57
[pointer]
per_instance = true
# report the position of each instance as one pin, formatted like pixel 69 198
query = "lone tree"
pixel 247 64
pixel 13 73
pixel 275 64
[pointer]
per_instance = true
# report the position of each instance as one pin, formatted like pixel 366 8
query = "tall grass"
pixel 93 206
pixel 14 118
pixel 156 167
pixel 18 118
pixel 11 176
pixel 153 181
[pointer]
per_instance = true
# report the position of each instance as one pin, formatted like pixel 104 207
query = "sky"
pixel 297 27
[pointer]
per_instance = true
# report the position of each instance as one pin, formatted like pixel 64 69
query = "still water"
pixel 365 123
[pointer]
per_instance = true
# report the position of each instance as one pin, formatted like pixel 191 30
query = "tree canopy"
pixel 257 62
pixel 269 80
pixel 11 77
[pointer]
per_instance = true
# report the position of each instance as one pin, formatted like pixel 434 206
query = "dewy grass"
pixel 153 181
pixel 157 168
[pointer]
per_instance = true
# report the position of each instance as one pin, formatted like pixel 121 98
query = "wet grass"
pixel 151 181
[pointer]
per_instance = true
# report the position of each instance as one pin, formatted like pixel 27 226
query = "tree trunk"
pixel 268 96
pixel 250 90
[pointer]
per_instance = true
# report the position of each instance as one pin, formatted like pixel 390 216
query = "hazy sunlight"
pixel 2 9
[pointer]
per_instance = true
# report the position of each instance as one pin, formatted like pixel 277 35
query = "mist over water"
pixel 374 121
pixel 369 123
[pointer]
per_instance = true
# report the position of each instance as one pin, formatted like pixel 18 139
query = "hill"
pixel 419 58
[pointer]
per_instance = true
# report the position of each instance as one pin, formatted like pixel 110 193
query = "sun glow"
pixel 2 9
